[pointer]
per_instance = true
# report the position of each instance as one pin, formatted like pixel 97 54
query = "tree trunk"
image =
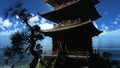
pixel 33 64
pixel 35 55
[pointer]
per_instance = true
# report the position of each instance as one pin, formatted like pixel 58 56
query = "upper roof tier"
pixel 81 9
pixel 54 3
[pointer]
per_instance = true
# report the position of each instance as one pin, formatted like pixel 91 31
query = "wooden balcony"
pixel 62 23
pixel 60 27
pixel 59 3
pixel 57 7
pixel 71 54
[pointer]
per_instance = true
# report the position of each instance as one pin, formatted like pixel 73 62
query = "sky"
pixel 109 23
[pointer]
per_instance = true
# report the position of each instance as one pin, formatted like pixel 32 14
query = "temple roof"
pixel 65 27
pixel 53 2
pixel 85 28
pixel 82 9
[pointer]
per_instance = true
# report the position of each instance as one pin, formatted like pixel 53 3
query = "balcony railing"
pixel 62 23
pixel 60 4
pixel 72 54
pixel 65 4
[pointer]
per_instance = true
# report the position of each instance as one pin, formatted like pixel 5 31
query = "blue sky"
pixel 109 22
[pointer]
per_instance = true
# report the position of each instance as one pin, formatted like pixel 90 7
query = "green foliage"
pixel 18 10
pixel 37 31
pixel 13 10
pixel 17 48
pixel 17 39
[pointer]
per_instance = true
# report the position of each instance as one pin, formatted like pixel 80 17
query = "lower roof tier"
pixel 81 9
pixel 87 29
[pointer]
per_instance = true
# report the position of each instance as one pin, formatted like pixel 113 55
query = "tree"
pixel 19 40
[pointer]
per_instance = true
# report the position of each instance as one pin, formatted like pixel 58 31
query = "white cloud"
pixel 107 38
pixel 4 23
pixel 115 22
pixel 7 23
pixel 43 20
pixel 2 27
pixel 34 19
pixel 16 24
pixel 24 27
pixel 111 33
pixel 17 17
pixel 104 27
pixel 44 25
pixel 8 32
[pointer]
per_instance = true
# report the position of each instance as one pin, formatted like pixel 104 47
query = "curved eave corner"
pixel 95 2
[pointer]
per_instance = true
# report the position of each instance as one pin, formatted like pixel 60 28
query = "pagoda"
pixel 73 29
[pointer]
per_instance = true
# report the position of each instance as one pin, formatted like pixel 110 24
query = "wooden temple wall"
pixel 84 44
